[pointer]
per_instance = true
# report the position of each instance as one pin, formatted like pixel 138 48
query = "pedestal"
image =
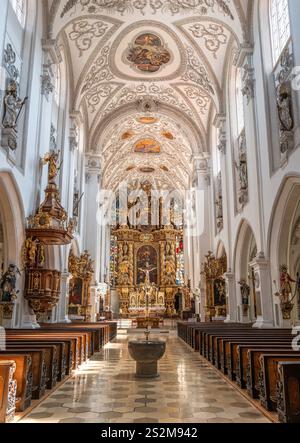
pixel 263 290
pixel 147 370
pixel 231 302
pixel 29 318
pixel 9 139
pixel 147 353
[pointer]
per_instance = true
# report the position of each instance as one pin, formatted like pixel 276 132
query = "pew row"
pixel 43 357
pixel 250 357
pixel 8 388
pixel 288 392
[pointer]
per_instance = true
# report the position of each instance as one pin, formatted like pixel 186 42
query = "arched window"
pixel 280 27
pixel 19 8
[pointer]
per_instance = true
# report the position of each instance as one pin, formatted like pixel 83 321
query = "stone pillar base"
pixel 147 369
pixel 229 320
pixel 29 322
pixel 262 324
pixel 65 320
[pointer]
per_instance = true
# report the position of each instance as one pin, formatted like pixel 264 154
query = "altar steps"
pixel 124 323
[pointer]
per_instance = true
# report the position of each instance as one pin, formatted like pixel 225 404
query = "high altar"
pixel 137 250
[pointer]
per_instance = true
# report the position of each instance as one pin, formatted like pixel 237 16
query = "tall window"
pixel 57 86
pixel 280 26
pixel 19 8
pixel 239 103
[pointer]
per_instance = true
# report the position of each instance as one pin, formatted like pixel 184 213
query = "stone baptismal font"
pixel 147 352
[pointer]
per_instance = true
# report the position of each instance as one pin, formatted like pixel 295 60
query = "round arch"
pixel 283 235
pixel 245 253
pixel 12 216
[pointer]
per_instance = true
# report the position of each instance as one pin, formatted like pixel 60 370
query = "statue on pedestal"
pixel 245 293
pixel 285 293
pixel 285 284
pixel 51 159
pixel 8 281
pixel 12 106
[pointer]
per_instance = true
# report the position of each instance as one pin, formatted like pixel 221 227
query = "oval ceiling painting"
pixel 168 135
pixel 147 170
pixel 148 53
pixel 147 146
pixel 128 134
pixel 147 120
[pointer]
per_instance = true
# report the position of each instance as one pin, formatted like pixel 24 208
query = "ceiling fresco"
pixel 148 70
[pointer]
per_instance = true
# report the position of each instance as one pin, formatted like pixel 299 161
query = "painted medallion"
pixel 147 146
pixel 148 53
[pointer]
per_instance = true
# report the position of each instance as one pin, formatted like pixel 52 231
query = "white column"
pixel 64 301
pixel 263 288
pixel 202 182
pixel 232 309
pixel 93 226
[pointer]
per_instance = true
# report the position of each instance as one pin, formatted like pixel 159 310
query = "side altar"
pixel 152 252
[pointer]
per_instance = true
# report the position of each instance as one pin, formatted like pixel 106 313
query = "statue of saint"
pixel 8 284
pixel 51 158
pixel 285 109
pixel 12 106
pixel 285 284
pixel 245 292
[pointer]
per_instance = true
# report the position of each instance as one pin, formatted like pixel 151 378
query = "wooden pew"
pixel 232 354
pixel 249 356
pixel 58 369
pixel 254 368
pixel 23 377
pixel 226 338
pixel 64 352
pixel 49 358
pixel 38 370
pixel 77 349
pixel 221 354
pixel 268 377
pixel 242 359
pixel 288 392
pixel 8 390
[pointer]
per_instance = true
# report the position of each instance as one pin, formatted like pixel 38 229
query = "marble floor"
pixel 106 391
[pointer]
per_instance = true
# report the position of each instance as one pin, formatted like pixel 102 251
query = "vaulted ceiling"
pixel 167 60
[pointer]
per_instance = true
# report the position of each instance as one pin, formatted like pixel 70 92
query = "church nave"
pixel 149 212
pixel 105 390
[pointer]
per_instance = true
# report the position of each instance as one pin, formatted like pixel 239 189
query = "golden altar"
pixel 144 322
pixel 157 249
